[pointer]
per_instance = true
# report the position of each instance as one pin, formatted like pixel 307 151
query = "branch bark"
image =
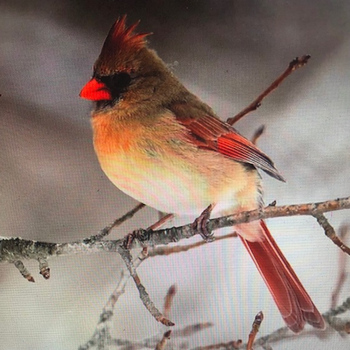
pixel 13 250
pixel 298 62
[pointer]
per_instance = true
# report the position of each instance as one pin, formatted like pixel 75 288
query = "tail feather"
pixel 290 296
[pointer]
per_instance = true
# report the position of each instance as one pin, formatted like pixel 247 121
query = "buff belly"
pixel 177 187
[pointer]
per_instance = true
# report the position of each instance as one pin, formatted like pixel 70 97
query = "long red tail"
pixel 289 294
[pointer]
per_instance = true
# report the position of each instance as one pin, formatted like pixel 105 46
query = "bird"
pixel 160 144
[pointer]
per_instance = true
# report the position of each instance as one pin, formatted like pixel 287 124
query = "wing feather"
pixel 208 131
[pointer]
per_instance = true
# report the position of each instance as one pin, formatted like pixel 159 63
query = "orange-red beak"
pixel 96 91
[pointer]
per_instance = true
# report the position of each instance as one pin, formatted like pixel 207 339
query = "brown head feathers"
pixel 121 41
pixel 122 37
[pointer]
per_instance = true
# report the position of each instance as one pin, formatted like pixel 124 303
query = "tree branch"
pixel 343 231
pixel 293 65
pixel 280 334
pixel 174 234
pixel 15 249
pixel 255 329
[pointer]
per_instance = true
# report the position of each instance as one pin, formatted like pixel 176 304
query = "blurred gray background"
pixel 52 189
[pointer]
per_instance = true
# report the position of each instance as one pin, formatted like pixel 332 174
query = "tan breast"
pixel 155 164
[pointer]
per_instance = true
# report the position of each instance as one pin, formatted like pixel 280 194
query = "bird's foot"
pixel 200 225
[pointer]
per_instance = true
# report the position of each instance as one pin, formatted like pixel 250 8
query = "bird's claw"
pixel 200 225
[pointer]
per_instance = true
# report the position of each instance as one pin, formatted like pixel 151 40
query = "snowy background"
pixel 52 189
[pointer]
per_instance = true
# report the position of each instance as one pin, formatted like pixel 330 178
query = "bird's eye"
pixel 117 83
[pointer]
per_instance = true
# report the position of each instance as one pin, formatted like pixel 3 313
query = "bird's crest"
pixel 123 38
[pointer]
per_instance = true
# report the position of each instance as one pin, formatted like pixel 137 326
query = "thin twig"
pixel 102 331
pixel 340 309
pixel 124 252
pixel 335 322
pixel 233 344
pixel 158 251
pixel 44 269
pixel 161 345
pixel 257 134
pixel 147 302
pixel 192 329
pixel 163 220
pixel 343 231
pixel 330 232
pixel 168 302
pixel 329 316
pixel 23 270
pixel 255 329
pixel 295 64
pixel 106 230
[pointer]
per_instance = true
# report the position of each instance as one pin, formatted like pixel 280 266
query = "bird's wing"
pixel 207 131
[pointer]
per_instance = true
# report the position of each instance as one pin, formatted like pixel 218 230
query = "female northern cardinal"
pixel 160 144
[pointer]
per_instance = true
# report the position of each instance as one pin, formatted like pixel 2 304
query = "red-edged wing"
pixel 209 132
